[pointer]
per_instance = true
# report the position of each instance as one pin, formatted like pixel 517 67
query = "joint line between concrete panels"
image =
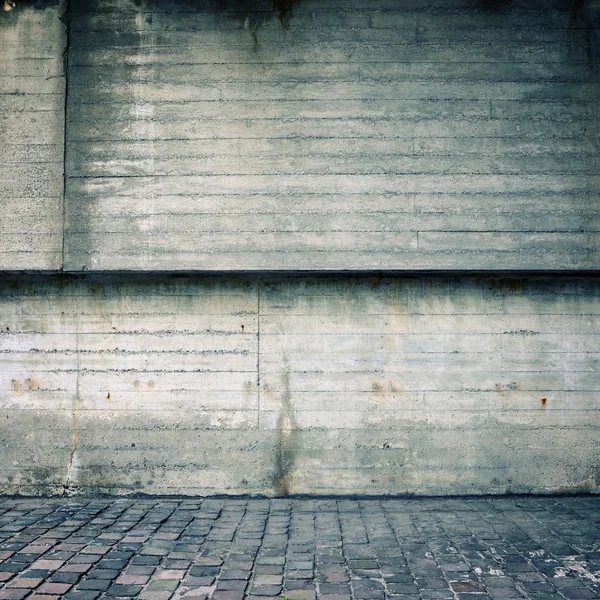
pixel 259 283
pixel 66 17
pixel 72 466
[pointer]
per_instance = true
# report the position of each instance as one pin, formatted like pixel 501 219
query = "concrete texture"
pixel 327 135
pixel 190 385
pixel 251 549
pixel 313 135
pixel 32 109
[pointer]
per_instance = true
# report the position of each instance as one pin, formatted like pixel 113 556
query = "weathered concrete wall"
pixel 319 134
pixel 197 386
pixel 32 109
pixel 309 135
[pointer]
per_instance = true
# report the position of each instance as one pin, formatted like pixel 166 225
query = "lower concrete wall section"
pixel 190 385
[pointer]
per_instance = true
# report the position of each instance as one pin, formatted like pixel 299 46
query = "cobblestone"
pixel 507 548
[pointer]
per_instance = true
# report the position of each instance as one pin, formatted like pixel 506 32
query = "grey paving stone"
pixel 444 546
pixel 235 574
pixel 228 595
pixel 436 594
pixel 580 593
pixel 265 590
pixel 231 585
pixel 204 571
pixel 334 589
pixel 125 591
pixel 100 585
pixel 299 584
pixel 82 595
pixel 66 577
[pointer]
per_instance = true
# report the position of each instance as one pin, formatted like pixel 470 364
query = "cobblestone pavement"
pixel 334 549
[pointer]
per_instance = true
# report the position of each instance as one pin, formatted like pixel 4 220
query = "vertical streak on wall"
pixel 73 465
pixel 287 435
pixel 63 207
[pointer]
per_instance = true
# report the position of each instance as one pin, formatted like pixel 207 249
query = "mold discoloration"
pixel 588 485
pixel 511 386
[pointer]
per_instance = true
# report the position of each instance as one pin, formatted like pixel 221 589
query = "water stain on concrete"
pixel 73 465
pixel 286 445
pixel 284 9
pixel 255 12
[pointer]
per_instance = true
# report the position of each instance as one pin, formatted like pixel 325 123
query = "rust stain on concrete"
pixel 20 387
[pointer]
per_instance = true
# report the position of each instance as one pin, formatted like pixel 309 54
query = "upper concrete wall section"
pixel 332 134
pixel 32 108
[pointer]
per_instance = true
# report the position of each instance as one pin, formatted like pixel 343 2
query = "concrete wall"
pixel 382 386
pixel 320 135
pixel 32 109
pixel 328 134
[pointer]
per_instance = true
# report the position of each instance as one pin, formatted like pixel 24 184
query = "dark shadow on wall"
pixel 585 16
pixel 260 11
pixel 10 6
pixel 257 12
pixel 11 9
pixel 497 6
